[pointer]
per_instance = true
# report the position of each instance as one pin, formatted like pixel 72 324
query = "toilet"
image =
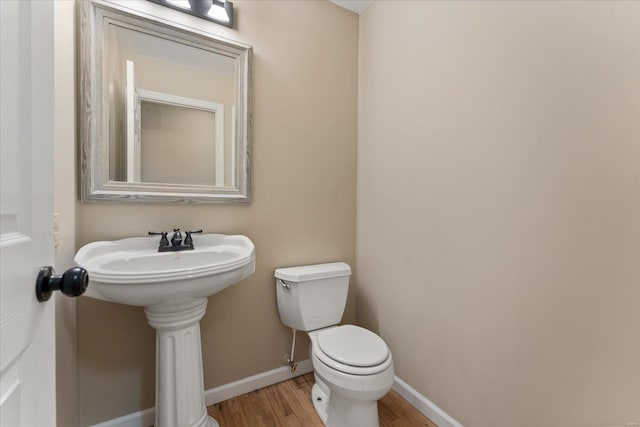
pixel 352 366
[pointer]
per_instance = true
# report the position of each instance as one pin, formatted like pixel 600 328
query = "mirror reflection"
pixel 175 111
pixel 175 98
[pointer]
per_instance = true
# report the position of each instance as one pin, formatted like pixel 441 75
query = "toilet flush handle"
pixel 284 284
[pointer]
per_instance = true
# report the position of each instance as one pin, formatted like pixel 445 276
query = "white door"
pixel 27 352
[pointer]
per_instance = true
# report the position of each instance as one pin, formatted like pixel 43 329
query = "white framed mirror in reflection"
pixel 165 110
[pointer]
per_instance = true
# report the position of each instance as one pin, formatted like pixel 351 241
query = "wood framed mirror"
pixel 165 110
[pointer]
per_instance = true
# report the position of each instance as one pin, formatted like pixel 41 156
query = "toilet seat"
pixel 352 350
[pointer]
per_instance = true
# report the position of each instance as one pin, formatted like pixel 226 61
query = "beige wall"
pixel 498 239
pixel 178 144
pixel 303 208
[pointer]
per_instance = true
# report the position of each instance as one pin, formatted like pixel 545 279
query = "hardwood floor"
pixel 288 404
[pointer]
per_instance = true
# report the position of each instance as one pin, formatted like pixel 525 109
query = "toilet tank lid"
pixel 313 272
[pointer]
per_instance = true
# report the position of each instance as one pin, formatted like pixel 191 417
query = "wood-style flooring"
pixel 288 404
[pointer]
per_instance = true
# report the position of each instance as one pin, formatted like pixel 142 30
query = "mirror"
pixel 165 110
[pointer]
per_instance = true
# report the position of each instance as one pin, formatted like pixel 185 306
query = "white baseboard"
pixel 146 417
pixel 423 405
pixel 255 382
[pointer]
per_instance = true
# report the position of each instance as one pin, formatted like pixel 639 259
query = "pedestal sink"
pixel 173 287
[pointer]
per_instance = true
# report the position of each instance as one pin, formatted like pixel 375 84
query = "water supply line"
pixel 291 363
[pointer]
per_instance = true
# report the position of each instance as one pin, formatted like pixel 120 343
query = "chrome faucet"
pixel 177 243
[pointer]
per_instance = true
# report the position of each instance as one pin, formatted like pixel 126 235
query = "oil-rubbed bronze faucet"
pixel 176 240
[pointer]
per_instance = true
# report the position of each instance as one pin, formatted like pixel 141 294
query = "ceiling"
pixel 357 6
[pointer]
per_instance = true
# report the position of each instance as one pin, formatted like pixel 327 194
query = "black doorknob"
pixel 72 283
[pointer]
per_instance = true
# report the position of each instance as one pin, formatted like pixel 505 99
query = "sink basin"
pixel 133 272
pixel 173 288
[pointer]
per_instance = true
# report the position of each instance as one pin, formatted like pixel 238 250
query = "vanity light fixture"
pixel 218 11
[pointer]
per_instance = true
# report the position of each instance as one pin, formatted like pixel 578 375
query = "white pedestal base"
pixel 179 380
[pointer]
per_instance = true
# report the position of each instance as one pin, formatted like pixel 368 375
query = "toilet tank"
pixel 312 296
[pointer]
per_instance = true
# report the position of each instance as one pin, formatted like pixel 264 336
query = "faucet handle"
pixel 163 240
pixel 188 241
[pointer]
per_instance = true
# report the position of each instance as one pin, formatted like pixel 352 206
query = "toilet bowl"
pixel 353 370
pixel 353 367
